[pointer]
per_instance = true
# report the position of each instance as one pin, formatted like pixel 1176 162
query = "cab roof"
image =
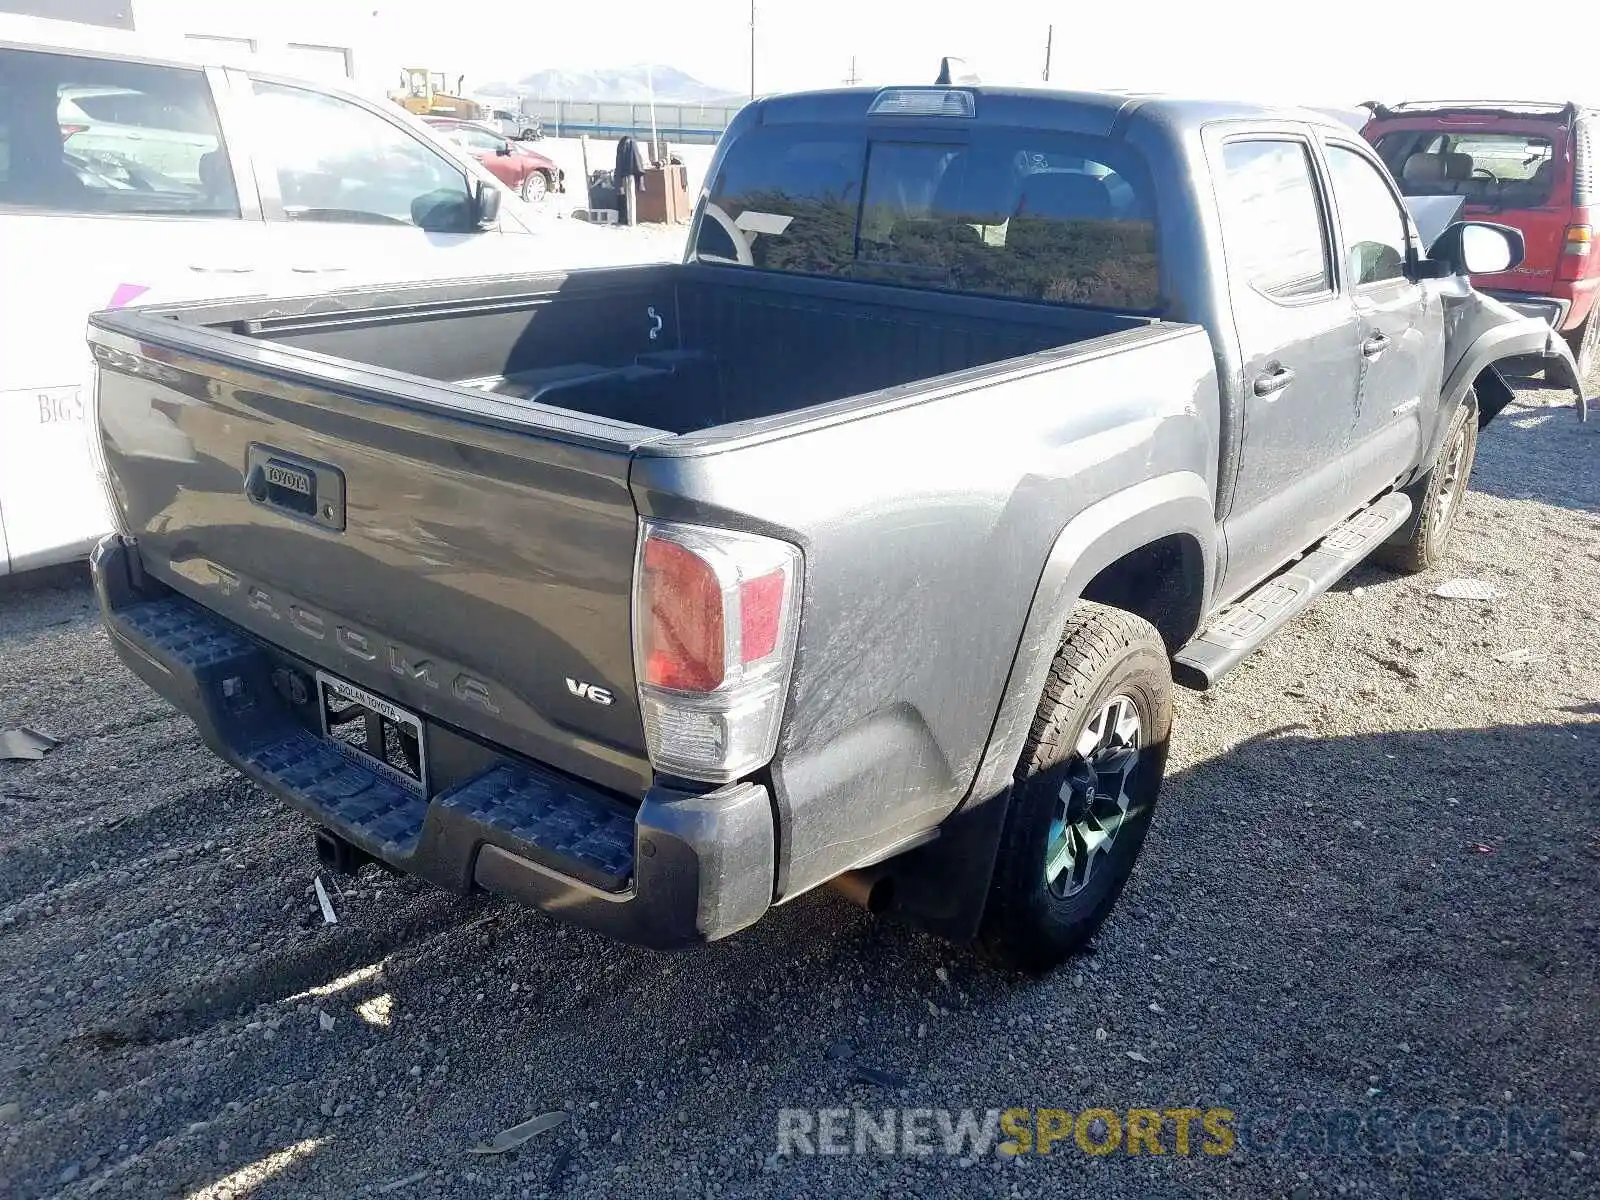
pixel 1561 110
pixel 1083 112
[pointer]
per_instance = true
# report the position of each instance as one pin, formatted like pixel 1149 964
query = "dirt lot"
pixel 1373 888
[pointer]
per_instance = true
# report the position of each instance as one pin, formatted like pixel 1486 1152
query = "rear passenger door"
pixel 1401 322
pixel 1299 354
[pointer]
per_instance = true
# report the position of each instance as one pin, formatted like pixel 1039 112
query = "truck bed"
pixel 674 349
pixel 434 493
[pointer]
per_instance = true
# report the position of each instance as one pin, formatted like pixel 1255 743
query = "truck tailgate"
pixel 460 557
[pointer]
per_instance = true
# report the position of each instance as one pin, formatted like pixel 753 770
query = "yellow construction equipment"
pixel 427 94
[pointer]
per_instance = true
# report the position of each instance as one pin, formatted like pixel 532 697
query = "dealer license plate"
pixel 380 736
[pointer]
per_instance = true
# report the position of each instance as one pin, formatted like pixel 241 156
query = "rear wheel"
pixel 1585 340
pixel 1437 498
pixel 1084 792
pixel 535 187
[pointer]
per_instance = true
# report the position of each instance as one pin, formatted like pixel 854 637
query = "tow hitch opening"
pixel 338 855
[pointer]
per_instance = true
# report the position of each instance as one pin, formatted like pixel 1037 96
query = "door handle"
pixel 1375 345
pixel 1271 382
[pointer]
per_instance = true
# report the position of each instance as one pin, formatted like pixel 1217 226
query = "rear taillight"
pixel 68 131
pixel 714 621
pixel 1575 252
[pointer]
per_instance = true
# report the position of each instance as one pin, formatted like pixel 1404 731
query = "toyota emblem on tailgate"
pixel 284 476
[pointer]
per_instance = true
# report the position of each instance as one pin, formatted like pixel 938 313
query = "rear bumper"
pixel 1564 309
pixel 683 868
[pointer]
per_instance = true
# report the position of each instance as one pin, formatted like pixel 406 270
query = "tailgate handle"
pixel 295 487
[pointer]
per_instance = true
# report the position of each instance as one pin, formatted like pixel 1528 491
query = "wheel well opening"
pixel 1163 582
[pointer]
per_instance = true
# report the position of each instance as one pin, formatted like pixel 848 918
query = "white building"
pixel 326 39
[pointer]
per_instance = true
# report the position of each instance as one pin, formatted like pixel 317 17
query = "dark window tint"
pixel 85 135
pixel 1007 213
pixel 787 202
pixel 1503 169
pixel 716 244
pixel 1373 224
pixel 1272 221
pixel 338 162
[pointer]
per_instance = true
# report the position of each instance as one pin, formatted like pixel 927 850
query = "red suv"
pixel 1531 166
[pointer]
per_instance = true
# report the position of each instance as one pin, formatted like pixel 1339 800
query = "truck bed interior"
pixel 675 348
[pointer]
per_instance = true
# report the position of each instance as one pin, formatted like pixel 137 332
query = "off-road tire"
pixel 1424 540
pixel 1105 653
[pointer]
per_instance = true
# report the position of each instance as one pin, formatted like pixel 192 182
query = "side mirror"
pixel 1479 248
pixel 447 210
pixel 450 210
pixel 485 204
pixel 503 149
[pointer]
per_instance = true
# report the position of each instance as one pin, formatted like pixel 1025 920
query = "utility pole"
pixel 854 78
pixel 752 49
pixel 1049 39
pixel 650 82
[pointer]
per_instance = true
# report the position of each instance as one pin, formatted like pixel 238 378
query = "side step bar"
pixel 1240 628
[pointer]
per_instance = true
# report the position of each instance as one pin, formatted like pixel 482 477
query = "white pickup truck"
pixel 133 170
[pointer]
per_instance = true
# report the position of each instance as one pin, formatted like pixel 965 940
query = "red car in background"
pixel 1531 166
pixel 530 174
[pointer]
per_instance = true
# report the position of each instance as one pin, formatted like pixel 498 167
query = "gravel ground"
pixel 1373 887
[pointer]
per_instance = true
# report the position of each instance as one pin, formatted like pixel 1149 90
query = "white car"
pixel 517 128
pixel 132 171
pixel 123 126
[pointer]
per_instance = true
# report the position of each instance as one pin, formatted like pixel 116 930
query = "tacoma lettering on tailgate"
pixel 242 598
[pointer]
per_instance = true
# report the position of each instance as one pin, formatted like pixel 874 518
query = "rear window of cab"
pixel 1026 215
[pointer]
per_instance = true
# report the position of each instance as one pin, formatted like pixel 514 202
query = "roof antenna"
pixel 955 70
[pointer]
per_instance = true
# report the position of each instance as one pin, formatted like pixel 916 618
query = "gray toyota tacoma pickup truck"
pixel 864 546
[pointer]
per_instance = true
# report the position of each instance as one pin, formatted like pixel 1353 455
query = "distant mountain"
pixel 618 84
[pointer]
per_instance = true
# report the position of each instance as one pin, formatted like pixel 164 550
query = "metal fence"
pixel 686 124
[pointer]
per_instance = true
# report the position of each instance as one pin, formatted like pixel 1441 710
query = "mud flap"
pixel 1494 393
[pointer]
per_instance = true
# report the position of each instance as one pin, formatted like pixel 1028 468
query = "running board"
pixel 1240 628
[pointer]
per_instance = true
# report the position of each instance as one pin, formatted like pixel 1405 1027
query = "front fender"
pixel 1482 332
